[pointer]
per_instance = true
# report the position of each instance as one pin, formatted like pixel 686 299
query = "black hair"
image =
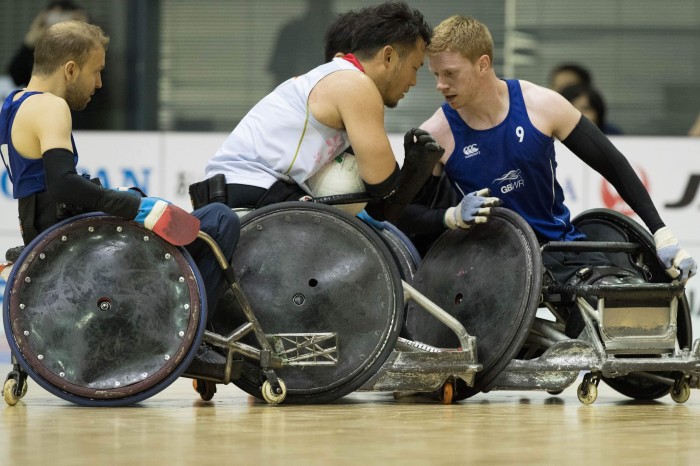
pixel 391 23
pixel 338 37
pixel 575 91
pixel 583 74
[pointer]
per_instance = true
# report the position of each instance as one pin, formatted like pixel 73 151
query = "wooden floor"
pixel 176 427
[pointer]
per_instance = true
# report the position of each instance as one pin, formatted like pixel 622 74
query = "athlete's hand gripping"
pixel 677 261
pixel 420 144
pixel 168 221
pixel 473 208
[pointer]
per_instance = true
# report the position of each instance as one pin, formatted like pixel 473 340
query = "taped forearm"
pixel 64 185
pixel 596 150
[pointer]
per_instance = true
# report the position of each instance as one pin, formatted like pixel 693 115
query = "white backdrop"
pixel 164 165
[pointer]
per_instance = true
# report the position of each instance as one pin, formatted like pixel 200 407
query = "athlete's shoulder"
pixel 46 104
pixel 351 79
pixel 548 110
pixel 536 96
pixel 437 123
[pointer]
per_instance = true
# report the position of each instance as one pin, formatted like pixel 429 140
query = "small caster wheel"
pixel 447 392
pixel 272 397
pixel 8 392
pixel 681 393
pixel 205 389
pixel 555 392
pixel 587 394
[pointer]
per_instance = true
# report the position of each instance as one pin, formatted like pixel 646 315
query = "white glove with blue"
pixel 473 208
pixel 678 263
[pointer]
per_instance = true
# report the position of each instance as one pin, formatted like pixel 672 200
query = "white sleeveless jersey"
pixel 279 138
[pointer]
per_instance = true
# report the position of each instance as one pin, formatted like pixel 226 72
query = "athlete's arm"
pixel 421 216
pixel 43 129
pixel 64 184
pixel 596 150
pixel 555 116
pixel 439 128
pixel 361 110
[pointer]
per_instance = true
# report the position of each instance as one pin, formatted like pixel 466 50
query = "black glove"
pixel 422 152
pixel 419 143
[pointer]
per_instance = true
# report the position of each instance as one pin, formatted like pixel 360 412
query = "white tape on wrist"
pixel 155 214
pixel 663 237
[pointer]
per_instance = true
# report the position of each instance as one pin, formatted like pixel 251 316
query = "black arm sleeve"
pixel 422 216
pixel 64 184
pixel 596 150
pixel 386 187
pixel 418 219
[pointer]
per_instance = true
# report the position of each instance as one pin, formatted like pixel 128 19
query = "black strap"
pixel 7 167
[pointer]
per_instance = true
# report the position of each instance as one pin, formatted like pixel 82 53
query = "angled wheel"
pixel 8 392
pixel 326 291
pixel 205 388
pixel 609 225
pixel 489 279
pixel 447 392
pixel 102 312
pixel 587 393
pixel 681 393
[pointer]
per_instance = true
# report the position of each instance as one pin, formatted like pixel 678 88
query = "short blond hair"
pixel 463 35
pixel 67 41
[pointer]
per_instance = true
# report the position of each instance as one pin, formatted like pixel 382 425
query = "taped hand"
pixel 677 262
pixel 473 208
pixel 168 221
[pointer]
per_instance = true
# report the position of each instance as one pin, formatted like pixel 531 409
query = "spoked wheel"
pixel 609 225
pixel 102 312
pixel 327 293
pixel 489 279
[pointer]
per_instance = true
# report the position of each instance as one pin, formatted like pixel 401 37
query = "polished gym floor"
pixel 176 427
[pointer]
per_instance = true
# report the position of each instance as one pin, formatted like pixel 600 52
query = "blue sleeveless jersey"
pixel 27 175
pixel 516 161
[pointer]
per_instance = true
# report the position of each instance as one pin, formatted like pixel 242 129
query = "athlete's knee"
pixel 222 224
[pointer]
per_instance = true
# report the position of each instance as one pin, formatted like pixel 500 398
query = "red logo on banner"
pixel 612 199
